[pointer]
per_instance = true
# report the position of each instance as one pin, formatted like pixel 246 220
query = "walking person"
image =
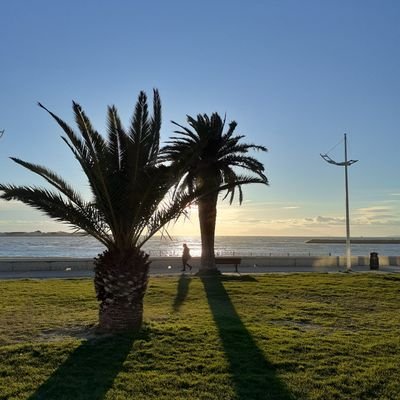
pixel 186 257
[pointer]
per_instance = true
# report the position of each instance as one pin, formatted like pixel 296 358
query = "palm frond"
pixel 245 162
pixel 230 131
pixel 186 131
pixel 171 210
pixel 94 141
pixel 155 123
pixel 76 142
pixel 144 134
pixel 116 136
pixel 85 157
pixel 52 204
pixel 53 179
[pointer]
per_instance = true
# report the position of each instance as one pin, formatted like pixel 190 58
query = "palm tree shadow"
pixel 254 377
pixel 182 291
pixel 89 371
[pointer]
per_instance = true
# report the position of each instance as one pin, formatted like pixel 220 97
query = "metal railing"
pixel 178 253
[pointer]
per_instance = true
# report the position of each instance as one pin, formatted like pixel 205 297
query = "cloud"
pixel 376 215
pixel 290 207
pixel 381 217
pixel 308 222
pixel 329 220
pixel 251 221
pixel 387 222
pixel 12 205
pixel 373 210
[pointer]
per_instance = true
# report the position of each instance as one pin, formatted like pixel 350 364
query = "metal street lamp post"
pixel 346 163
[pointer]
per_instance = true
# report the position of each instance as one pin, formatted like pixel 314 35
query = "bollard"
pixel 373 260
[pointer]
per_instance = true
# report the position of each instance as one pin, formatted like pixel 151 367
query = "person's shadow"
pixel 89 371
pixel 181 292
pixel 253 376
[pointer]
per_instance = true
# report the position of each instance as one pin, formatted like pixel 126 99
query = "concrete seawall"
pixel 8 264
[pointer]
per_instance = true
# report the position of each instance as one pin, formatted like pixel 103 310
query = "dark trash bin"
pixel 373 260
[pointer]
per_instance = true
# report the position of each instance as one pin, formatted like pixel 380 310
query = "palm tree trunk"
pixel 120 282
pixel 207 207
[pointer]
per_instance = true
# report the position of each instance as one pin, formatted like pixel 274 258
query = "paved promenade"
pixel 70 273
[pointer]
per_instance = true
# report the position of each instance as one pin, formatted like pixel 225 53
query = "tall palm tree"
pixel 208 160
pixel 130 202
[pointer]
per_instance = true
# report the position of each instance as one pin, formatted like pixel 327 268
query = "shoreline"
pixel 40 234
pixel 354 241
pixel 308 238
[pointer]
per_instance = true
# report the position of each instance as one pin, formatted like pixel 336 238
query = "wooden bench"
pixel 229 260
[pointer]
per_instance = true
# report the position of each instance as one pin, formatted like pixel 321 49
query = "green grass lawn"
pixel 299 336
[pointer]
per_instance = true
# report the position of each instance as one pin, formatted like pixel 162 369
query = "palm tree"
pixel 208 158
pixel 130 202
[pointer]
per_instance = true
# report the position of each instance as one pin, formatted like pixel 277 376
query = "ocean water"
pixel 85 246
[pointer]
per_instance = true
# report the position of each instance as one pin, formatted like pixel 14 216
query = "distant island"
pixel 355 241
pixel 40 233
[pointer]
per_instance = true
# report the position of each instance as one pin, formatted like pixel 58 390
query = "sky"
pixel 295 76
